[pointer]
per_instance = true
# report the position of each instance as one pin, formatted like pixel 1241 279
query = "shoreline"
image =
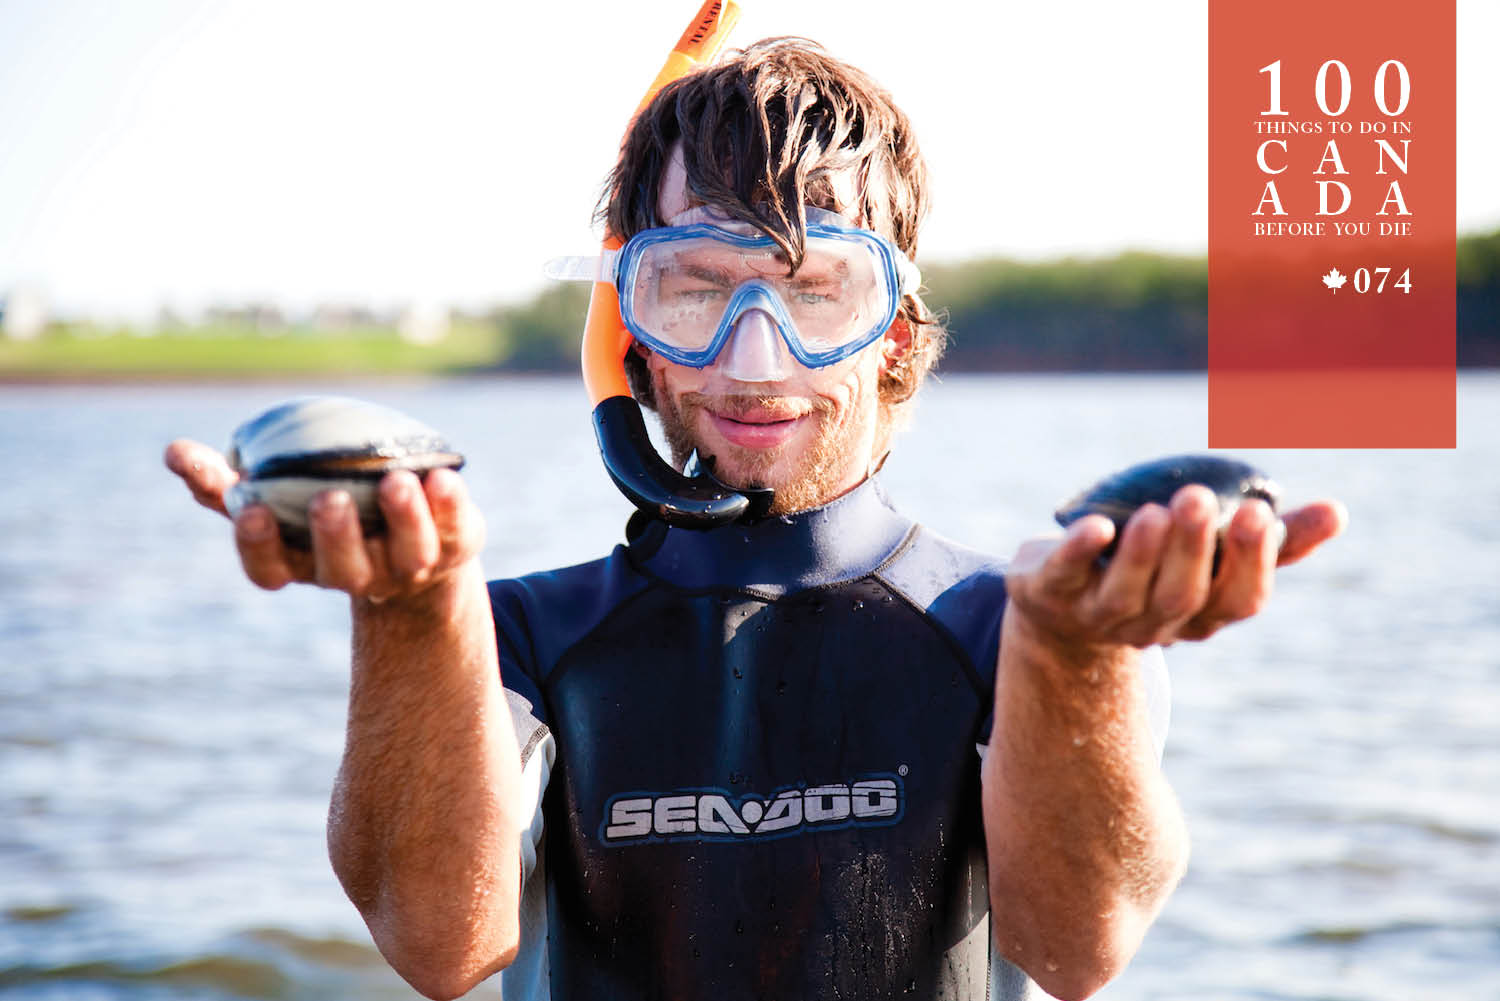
pixel 184 378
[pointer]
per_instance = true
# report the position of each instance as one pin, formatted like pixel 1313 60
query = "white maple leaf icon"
pixel 1334 280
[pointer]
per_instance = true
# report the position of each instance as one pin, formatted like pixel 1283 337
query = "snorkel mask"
pixel 710 290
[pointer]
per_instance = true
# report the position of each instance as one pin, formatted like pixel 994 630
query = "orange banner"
pixel 1331 225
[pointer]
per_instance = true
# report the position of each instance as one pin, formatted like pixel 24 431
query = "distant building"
pixel 23 314
pixel 264 317
pixel 424 323
pixel 342 317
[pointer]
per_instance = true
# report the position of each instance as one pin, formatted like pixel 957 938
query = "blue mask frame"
pixel 896 272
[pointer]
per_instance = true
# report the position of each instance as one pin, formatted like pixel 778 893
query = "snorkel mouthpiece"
pixel 699 500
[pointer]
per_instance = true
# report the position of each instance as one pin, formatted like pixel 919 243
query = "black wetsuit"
pixel 757 747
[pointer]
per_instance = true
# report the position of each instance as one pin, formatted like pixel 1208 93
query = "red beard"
pixel 815 475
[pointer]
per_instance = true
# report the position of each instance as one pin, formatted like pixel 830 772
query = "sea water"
pixel 169 734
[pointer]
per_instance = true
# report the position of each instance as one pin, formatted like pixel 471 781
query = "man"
pixel 742 762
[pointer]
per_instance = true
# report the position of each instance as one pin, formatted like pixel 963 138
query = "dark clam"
pixel 1119 496
pixel 295 450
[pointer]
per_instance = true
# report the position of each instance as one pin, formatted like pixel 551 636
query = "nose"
pixel 755 351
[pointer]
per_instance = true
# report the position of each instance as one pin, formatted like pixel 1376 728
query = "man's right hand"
pixel 432 529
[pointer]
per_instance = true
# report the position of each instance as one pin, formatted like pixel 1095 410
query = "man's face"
pixel 809 434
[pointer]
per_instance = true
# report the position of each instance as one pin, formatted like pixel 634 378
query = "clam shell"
pixel 294 451
pixel 1117 497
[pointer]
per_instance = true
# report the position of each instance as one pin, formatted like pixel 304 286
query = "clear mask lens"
pixel 683 289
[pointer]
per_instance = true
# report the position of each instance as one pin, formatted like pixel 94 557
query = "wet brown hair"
pixel 763 134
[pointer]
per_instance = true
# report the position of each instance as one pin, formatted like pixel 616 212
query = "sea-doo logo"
pixel 716 815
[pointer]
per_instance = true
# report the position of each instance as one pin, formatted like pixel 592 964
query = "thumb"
pixel 203 471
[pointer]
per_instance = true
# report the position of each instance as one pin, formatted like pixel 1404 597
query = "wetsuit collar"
pixel 840 541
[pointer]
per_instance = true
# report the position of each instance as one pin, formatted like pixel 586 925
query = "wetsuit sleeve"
pixel 962 593
pixel 518 667
pixel 518 674
pixel 527 976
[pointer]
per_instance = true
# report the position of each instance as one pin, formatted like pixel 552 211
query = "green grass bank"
pixel 1132 311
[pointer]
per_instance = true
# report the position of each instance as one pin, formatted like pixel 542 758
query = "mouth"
pixel 756 428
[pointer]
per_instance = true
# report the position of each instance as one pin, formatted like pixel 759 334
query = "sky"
pixel 187 152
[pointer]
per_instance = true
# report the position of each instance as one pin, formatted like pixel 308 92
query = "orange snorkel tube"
pixel 653 486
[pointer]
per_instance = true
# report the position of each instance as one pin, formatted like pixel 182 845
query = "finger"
pixel 1309 527
pixel 264 558
pixel 340 559
pixel 1246 571
pixel 1182 580
pixel 1031 554
pixel 460 528
pixel 203 470
pixel 412 546
pixel 382 584
pixel 1126 586
pixel 1068 565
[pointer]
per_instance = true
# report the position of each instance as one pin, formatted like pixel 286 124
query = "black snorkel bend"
pixel 696 499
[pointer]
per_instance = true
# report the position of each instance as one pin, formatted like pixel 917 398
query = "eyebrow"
pixel 839 272
pixel 703 272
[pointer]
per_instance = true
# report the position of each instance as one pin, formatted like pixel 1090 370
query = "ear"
pixel 895 345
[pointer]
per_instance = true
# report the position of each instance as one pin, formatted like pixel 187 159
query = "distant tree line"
pixel 1479 300
pixel 1131 312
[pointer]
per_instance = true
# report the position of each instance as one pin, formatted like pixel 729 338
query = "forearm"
pixel 1085 837
pixel 422 831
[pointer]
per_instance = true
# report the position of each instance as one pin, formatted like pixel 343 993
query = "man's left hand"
pixel 1160 585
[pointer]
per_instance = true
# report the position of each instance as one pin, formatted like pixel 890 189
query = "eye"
pixel 690 290
pixel 815 295
pixel 697 296
pixel 694 285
